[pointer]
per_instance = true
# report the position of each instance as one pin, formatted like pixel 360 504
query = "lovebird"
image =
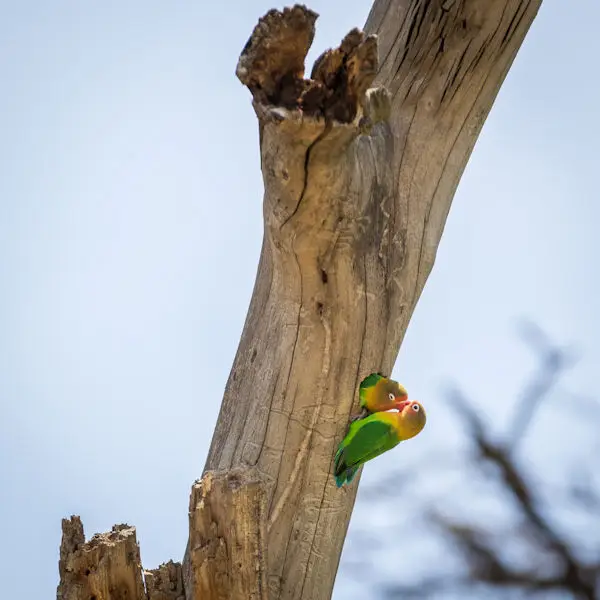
pixel 374 435
pixel 378 393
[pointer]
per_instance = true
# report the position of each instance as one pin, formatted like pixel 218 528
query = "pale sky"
pixel 130 229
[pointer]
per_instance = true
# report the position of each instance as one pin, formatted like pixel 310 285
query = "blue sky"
pixel 130 229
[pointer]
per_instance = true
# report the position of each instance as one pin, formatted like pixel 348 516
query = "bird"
pixel 379 393
pixel 375 434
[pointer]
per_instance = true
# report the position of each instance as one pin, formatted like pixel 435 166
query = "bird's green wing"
pixel 367 439
pixel 366 385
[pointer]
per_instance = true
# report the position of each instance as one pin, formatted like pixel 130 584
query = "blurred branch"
pixel 552 563
pixel 487 567
pixel 554 361
pixel 582 492
pixel 574 576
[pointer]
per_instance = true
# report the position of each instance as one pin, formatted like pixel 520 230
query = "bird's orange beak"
pixel 402 404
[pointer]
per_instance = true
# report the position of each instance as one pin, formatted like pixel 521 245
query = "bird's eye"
pixel 391 396
pixel 415 407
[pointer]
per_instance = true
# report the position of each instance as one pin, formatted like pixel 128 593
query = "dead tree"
pixel 360 164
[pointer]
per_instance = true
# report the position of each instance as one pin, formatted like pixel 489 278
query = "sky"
pixel 130 230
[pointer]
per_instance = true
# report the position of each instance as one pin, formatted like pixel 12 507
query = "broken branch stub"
pixel 271 64
pixel 227 549
pixel 165 582
pixel 107 566
pixel 307 124
pixel 272 67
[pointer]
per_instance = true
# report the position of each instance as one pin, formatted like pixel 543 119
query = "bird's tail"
pixel 346 476
pixel 341 471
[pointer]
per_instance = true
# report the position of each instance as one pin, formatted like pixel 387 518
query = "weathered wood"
pixel 360 164
pixel 107 567
pixel 227 538
pixel 165 582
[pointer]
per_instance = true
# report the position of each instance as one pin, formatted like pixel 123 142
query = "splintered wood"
pixel 227 538
pixel 108 567
pixel 272 67
pixel 165 583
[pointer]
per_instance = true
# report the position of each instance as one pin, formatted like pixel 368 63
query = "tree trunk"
pixel 360 164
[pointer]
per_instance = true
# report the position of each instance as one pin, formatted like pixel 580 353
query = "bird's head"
pixel 396 393
pixel 412 418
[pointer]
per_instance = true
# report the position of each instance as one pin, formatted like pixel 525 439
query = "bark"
pixel 227 537
pixel 108 566
pixel 360 164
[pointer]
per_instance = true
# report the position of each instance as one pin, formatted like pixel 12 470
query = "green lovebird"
pixel 378 393
pixel 374 435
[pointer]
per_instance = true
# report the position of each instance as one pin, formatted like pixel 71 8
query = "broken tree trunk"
pixel 360 164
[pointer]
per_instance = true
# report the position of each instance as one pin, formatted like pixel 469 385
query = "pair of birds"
pixel 388 417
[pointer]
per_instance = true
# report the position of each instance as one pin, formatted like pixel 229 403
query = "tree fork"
pixel 360 165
